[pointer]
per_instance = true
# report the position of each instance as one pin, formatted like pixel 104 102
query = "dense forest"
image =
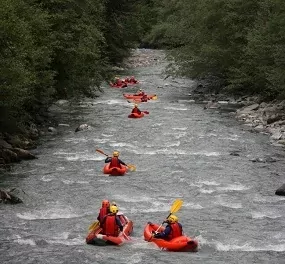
pixel 66 48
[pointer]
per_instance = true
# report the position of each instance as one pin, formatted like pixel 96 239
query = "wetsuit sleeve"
pixel 119 224
pixel 121 162
pixel 108 159
pixel 165 233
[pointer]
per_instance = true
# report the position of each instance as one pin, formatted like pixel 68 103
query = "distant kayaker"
pixel 104 210
pixel 144 98
pixel 120 83
pixel 111 223
pixel 140 92
pixel 172 230
pixel 133 80
pixel 115 161
pixel 136 110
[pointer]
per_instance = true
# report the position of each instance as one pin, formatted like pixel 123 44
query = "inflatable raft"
pixel 115 171
pixel 134 96
pixel 95 236
pixel 181 243
pixel 136 115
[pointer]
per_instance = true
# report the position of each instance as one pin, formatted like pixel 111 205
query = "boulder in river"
pixel 7 197
pixel 82 127
pixel 281 190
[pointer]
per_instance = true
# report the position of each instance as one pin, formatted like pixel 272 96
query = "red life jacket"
pixel 102 213
pixel 110 228
pixel 136 110
pixel 176 231
pixel 115 163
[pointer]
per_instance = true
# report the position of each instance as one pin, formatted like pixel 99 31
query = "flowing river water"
pixel 180 151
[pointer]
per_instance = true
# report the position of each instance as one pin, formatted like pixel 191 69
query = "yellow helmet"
pixel 116 153
pixel 114 209
pixel 172 219
pixel 135 105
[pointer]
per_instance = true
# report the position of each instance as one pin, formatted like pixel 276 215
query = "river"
pixel 180 151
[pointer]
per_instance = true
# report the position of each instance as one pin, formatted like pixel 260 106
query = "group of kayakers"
pixel 111 224
pixel 110 219
pixel 122 83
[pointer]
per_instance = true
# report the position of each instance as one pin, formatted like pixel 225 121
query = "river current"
pixel 180 150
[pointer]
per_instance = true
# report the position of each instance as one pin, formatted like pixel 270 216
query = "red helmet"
pixel 105 203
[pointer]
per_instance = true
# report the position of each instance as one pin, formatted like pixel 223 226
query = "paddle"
pixel 146 112
pixel 130 166
pixel 174 208
pixel 94 225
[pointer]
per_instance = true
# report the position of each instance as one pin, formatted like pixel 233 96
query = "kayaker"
pixel 104 210
pixel 172 230
pixel 144 98
pixel 136 109
pixel 111 223
pixel 120 83
pixel 115 161
pixel 140 92
pixel 133 80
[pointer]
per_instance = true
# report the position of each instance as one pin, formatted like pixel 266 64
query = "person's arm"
pixel 108 159
pixel 123 163
pixel 119 224
pixel 164 234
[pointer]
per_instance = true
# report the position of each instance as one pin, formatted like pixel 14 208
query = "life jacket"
pixel 102 213
pixel 115 163
pixel 136 110
pixel 144 98
pixel 110 228
pixel 176 231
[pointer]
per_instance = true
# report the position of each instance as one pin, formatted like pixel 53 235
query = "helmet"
pixel 113 203
pixel 114 209
pixel 140 89
pixel 105 203
pixel 172 219
pixel 135 105
pixel 116 153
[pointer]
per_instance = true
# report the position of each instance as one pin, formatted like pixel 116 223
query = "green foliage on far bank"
pixel 239 45
pixel 60 49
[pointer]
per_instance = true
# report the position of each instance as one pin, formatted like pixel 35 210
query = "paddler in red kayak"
pixel 140 92
pixel 115 161
pixel 172 230
pixel 104 210
pixel 136 110
pixel 111 223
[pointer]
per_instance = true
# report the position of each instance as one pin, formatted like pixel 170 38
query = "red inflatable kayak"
pixel 136 115
pixel 181 243
pixel 95 237
pixel 134 96
pixel 115 171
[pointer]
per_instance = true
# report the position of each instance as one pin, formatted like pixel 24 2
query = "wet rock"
pixel 235 153
pixel 23 154
pixel 5 144
pixel 9 156
pixel 82 127
pixel 280 190
pixel 52 130
pixel 8 198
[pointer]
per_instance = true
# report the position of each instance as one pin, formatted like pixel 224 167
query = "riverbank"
pixel 258 116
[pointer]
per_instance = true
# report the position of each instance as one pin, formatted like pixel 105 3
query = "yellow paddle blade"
pixel 154 97
pixel 94 225
pixel 176 206
pixel 131 167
